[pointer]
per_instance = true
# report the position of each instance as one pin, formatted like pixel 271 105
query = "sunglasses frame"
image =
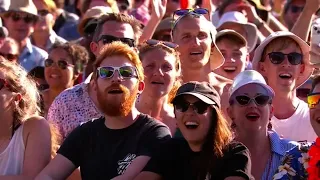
pixel 187 11
pixel 312 106
pixel 63 67
pixel 136 75
pixel 193 105
pixel 154 42
pixel 28 19
pixel 131 43
pixel 290 60
pixel 253 99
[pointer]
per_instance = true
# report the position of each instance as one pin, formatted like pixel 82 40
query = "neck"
pixel 291 102
pixel 6 125
pixel 40 38
pixel 152 106
pixel 257 143
pixel 200 75
pixel 22 44
pixel 121 122
pixel 53 93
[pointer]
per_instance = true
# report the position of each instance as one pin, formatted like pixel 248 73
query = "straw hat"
pixel 26 6
pixel 305 48
pixel 92 13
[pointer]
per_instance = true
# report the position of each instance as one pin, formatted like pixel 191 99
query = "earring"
pixel 269 125
pixel 233 125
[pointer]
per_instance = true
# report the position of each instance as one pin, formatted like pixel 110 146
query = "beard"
pixel 112 105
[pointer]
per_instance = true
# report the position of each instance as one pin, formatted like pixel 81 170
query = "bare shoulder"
pixel 36 122
pixel 220 83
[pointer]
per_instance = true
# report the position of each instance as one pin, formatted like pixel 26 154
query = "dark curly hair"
pixel 77 53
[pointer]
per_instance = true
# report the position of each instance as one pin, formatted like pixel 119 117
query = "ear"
pixel 75 76
pixel 229 112
pixel 141 86
pixel 247 60
pixel 302 68
pixel 93 84
pixel 94 48
pixel 271 111
pixel 18 97
pixel 262 68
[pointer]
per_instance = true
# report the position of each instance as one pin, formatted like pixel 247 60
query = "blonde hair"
pixel 50 5
pixel 144 48
pixel 119 49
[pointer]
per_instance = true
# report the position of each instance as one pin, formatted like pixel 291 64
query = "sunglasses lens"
pixel 313 100
pixel 201 11
pixel 62 64
pixel 105 72
pixel 108 39
pixel 152 42
pixel 243 100
pixel 127 72
pixel 295 58
pixel 181 12
pixel 15 17
pixel 276 57
pixel 200 107
pixel 171 45
pixel 182 106
pixel 48 62
pixel 129 42
pixel 262 100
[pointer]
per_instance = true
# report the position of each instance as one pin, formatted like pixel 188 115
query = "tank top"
pixel 11 159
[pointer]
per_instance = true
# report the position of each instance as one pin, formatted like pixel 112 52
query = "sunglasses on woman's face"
pixel 61 63
pixel 10 57
pixel 313 100
pixel 107 39
pixel 278 57
pixel 260 100
pixel 27 18
pixel 153 42
pixel 198 107
pixel 124 72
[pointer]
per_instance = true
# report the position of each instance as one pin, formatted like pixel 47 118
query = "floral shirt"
pixel 294 164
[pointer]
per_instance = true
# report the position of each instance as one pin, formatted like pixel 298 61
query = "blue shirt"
pixel 279 148
pixel 32 56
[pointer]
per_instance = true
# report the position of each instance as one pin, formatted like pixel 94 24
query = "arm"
pixel 302 27
pixel 148 175
pixel 37 139
pixel 275 24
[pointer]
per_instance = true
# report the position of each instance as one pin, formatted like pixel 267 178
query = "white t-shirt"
pixel 297 127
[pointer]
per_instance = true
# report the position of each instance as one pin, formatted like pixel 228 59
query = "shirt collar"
pixel 28 47
pixel 277 145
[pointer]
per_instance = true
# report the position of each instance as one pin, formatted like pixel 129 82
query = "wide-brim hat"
pixel 165 24
pixel 231 32
pixel 305 48
pixel 26 6
pixel 216 58
pixel 234 17
pixel 92 13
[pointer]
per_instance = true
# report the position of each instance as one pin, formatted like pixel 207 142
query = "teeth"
pixel 54 76
pixel 285 75
pixel 230 68
pixel 191 124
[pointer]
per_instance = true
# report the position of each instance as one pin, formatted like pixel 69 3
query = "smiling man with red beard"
pixel 119 144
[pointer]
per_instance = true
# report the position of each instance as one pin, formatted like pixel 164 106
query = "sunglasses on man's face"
pixel 278 57
pixel 199 107
pixel 153 42
pixel 10 57
pixel 61 63
pixel 107 39
pixel 27 18
pixel 260 100
pixel 313 100
pixel 124 72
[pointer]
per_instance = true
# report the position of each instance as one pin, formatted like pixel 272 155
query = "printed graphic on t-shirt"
pixel 124 164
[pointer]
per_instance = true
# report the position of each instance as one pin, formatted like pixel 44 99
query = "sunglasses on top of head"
pixel 107 39
pixel 199 106
pixel 313 100
pixel 153 42
pixel 278 57
pixel 62 64
pixel 26 18
pixel 183 12
pixel 124 72
pixel 260 100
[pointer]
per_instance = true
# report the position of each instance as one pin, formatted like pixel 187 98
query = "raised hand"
pixel 158 8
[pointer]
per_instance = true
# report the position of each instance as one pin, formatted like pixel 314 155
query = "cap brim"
pixel 271 93
pixel 308 70
pixel 203 98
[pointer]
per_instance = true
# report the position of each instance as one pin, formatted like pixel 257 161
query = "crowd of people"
pixel 159 89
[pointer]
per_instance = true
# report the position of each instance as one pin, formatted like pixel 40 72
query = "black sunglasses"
pixel 296 9
pixel 124 72
pixel 106 39
pixel 10 57
pixel 61 63
pixel 43 12
pixel 260 100
pixel 183 12
pixel 278 57
pixel 199 107
pixel 153 42
pixel 27 18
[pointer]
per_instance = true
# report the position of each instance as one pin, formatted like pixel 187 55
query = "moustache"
pixel 117 86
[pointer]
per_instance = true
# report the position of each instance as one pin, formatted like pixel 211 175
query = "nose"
pixel 252 103
pixel 158 71
pixel 229 59
pixel 116 77
pixel 285 62
pixel 190 111
pixel 196 41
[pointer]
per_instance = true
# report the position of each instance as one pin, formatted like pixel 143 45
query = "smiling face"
pixel 193 37
pixel 236 58
pixel 6 98
pixel 283 76
pixel 253 116
pixel 194 126
pixel 315 113
pixel 160 72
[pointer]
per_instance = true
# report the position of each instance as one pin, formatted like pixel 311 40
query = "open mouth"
pixel 191 125
pixel 195 53
pixel 285 76
pixel 252 116
pixel 229 69
pixel 115 91
pixel 157 83
pixel 54 76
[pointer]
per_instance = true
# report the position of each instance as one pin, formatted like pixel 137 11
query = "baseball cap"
pixel 305 48
pixel 231 32
pixel 202 90
pixel 165 24
pixel 249 77
pixel 235 17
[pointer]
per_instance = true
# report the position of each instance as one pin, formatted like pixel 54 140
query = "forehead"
pixel 251 90
pixel 285 45
pixel 117 29
pixel 192 24
pixel 116 61
pixel 59 53
pixel 160 54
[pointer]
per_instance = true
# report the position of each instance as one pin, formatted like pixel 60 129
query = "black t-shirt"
pixel 176 160
pixel 104 153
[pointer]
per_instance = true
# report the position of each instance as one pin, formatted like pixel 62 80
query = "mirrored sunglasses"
pixel 313 100
pixel 124 72
pixel 107 39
